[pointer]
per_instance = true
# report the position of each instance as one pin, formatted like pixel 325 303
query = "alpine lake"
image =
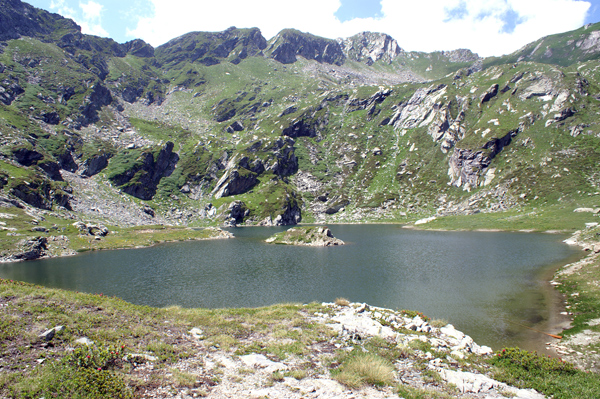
pixel 491 285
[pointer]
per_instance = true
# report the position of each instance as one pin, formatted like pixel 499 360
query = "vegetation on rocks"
pixel 316 236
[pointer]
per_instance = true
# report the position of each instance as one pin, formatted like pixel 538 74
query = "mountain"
pixel 563 49
pixel 227 127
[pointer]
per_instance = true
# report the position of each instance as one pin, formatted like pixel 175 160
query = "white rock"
pixel 197 333
pixel 426 220
pixel 260 361
pixel 361 324
pixel 468 382
pixel 450 331
pixel 84 341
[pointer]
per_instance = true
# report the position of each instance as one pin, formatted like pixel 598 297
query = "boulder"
pixel 34 248
pixel 235 127
pixel 236 213
pixel 94 164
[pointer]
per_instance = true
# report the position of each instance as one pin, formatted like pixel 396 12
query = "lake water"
pixel 488 284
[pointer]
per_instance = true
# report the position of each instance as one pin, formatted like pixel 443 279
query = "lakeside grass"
pixel 17 225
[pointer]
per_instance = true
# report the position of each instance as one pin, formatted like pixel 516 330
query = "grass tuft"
pixel 342 302
pixel 365 368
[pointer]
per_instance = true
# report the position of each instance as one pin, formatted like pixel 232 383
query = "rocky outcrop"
pixel 467 165
pixel 309 124
pixel 447 130
pixel 98 97
pixel 289 214
pixel 30 249
pixel 489 93
pixel 281 157
pixel 420 109
pixel 26 156
pixel 139 48
pixel 41 194
pixel 370 47
pixel 143 178
pixel 236 213
pixel 291 43
pixel 312 236
pixel 94 164
pixel 235 181
pixel 9 91
pixel 21 19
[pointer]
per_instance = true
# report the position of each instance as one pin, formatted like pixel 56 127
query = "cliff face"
pixel 370 47
pixel 290 43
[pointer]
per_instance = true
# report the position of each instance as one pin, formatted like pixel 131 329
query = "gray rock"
pixel 47 335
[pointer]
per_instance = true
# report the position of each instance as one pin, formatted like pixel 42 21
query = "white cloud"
pixel 60 7
pixel 91 10
pixel 91 23
pixel 423 25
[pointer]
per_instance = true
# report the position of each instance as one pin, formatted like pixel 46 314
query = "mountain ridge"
pixel 294 128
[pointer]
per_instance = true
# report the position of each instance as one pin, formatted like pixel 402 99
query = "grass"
pixel 550 376
pixel 365 368
pixel 342 302
pixel 18 225
pixel 119 328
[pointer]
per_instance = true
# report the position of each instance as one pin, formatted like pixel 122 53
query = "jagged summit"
pixel 210 48
pixel 371 47
pixel 290 43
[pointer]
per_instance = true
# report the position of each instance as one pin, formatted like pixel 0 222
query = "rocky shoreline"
pixel 427 350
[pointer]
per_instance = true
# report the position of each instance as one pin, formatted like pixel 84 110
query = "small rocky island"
pixel 314 236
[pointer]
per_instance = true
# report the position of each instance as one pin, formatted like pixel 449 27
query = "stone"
pixel 450 331
pixel 197 333
pixel 84 341
pixel 467 382
pixel 261 361
pixel 47 335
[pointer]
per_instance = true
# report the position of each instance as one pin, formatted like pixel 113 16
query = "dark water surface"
pixel 482 282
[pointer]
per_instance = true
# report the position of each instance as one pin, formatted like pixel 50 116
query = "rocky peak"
pixel 139 48
pixel 461 55
pixel 210 48
pixel 290 43
pixel 370 47
pixel 21 19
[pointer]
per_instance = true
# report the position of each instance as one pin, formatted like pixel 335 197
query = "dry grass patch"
pixel 342 302
pixel 365 368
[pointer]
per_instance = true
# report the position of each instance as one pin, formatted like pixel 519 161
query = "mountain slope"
pixel 225 127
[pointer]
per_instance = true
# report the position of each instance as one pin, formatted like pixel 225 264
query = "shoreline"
pixel 553 322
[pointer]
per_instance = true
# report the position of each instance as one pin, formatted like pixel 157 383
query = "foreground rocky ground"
pixel 432 362
pixel 329 350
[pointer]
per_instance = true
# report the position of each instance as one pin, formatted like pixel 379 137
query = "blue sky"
pixel 488 27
